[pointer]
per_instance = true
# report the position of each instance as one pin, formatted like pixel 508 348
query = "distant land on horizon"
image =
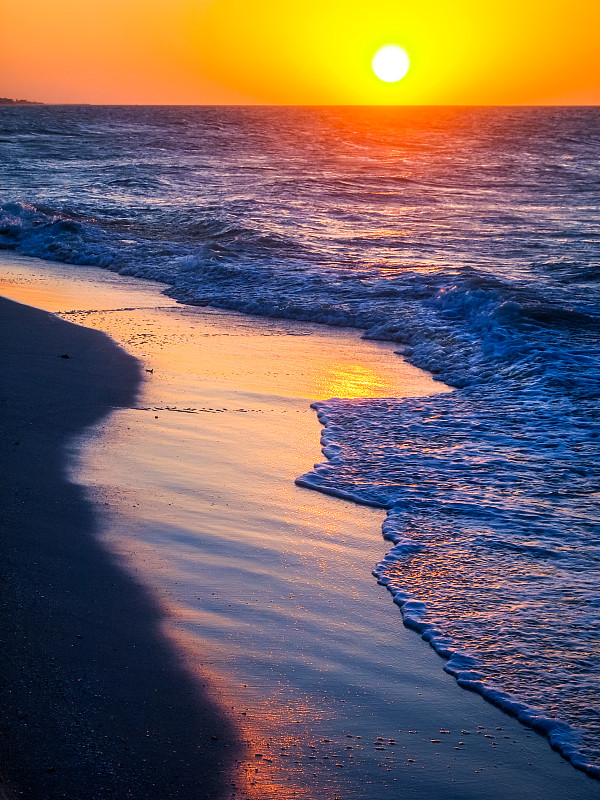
pixel 7 101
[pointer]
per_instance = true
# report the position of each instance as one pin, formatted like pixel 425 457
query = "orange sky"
pixel 299 51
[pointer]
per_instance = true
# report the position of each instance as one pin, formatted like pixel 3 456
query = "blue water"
pixel 468 236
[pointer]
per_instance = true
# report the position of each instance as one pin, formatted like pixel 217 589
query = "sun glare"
pixel 390 63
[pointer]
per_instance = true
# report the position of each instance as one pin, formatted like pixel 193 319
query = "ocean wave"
pixel 493 518
pixel 469 329
pixel 466 236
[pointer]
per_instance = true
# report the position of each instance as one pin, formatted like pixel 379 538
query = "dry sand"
pixel 238 583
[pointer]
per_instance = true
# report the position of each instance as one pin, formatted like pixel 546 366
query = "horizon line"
pixel 38 103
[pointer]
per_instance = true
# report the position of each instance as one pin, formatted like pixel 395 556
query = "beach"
pixel 182 620
pixel 94 704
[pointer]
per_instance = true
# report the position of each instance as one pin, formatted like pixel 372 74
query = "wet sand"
pixel 261 588
pixel 94 702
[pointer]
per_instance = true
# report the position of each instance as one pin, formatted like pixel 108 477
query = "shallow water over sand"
pixel 265 585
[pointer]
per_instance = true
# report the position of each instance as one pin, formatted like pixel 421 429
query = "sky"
pixel 469 52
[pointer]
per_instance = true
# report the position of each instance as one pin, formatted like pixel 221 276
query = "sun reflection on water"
pixel 344 380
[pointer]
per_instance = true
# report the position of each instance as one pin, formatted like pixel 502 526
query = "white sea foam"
pixel 494 549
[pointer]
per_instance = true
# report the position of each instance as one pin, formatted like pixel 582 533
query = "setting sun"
pixel 390 63
pixel 343 52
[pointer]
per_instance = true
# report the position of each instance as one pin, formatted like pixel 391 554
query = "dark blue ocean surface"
pixel 470 237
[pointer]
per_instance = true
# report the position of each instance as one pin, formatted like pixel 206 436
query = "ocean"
pixel 469 237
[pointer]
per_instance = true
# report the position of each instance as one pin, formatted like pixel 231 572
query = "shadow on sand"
pixel 94 703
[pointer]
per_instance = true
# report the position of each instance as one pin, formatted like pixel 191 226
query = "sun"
pixel 390 63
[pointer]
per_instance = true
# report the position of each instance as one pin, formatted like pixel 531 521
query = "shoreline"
pixel 235 522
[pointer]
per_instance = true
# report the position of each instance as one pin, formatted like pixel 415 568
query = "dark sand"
pixel 94 702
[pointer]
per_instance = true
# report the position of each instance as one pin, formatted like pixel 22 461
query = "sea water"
pixel 469 236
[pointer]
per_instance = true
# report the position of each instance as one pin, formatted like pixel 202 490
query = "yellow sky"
pixel 299 51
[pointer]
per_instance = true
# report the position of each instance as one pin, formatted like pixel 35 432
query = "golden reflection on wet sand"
pixel 223 425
